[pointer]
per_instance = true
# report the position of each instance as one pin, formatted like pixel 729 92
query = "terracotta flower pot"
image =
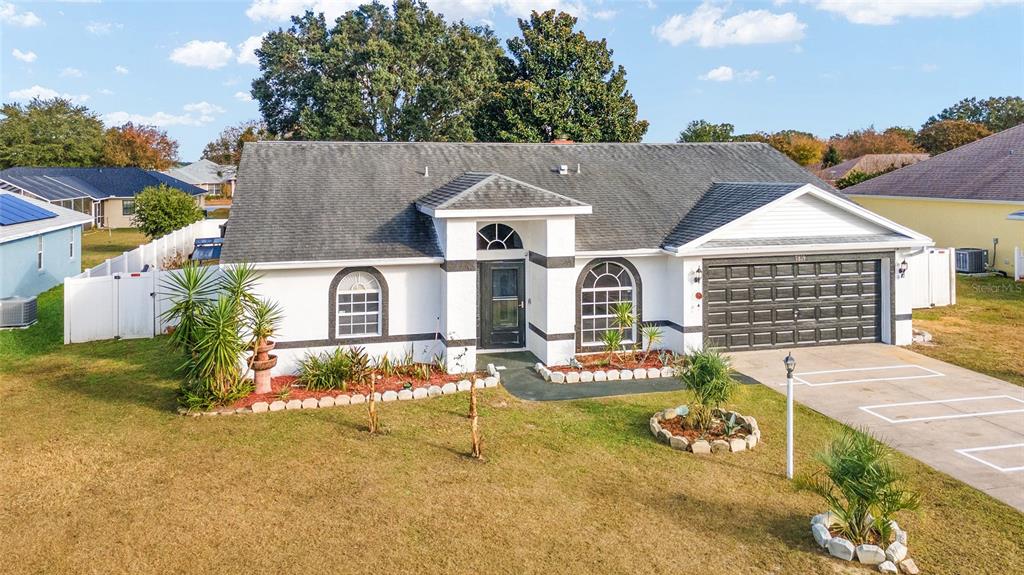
pixel 265 364
pixel 266 347
pixel 261 373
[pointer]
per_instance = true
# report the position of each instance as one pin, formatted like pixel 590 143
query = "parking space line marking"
pixel 929 374
pixel 870 408
pixel 967 452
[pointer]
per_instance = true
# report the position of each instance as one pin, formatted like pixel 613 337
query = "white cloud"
pixel 203 54
pixel 243 96
pixel 71 73
pixel 708 27
pixel 102 28
pixel 105 92
pixel 278 10
pixel 727 74
pixel 121 70
pixel 929 67
pixel 605 14
pixel 44 93
pixel 884 12
pixel 197 114
pixel 247 50
pixel 9 14
pixel 24 56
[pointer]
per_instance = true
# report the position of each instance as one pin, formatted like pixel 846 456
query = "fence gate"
pixel 135 305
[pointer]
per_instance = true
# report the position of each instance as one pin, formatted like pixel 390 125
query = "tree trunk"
pixel 372 404
pixel 475 422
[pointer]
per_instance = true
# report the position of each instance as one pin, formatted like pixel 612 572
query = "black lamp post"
pixel 790 366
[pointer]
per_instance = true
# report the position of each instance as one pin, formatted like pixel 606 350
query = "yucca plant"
pixel 862 487
pixel 218 347
pixel 651 334
pixel 612 340
pixel 708 374
pixel 325 371
pixel 625 319
pixel 190 291
pixel 238 284
pixel 359 370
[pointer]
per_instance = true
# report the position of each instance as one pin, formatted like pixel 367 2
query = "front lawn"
pixel 99 245
pixel 984 331
pixel 99 474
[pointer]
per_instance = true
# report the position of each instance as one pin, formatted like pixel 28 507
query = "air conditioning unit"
pixel 17 311
pixel 971 260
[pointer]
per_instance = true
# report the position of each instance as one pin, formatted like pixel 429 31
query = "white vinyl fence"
pixel 1018 264
pixel 117 300
pixel 155 252
pixel 933 277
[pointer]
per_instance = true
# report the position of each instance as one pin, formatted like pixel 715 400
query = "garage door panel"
pixel 778 303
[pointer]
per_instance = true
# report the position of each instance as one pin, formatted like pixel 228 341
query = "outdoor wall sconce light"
pixel 902 269
pixel 696 275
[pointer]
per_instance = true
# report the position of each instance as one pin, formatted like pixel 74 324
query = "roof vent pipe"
pixel 577 168
pixel 563 169
pixel 426 171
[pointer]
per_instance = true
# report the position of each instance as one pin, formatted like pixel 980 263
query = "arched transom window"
pixel 604 285
pixel 359 304
pixel 498 237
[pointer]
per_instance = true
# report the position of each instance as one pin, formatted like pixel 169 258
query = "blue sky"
pixel 823 66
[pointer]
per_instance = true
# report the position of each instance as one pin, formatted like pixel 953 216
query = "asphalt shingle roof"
pixel 723 203
pixel 98 183
pixel 203 172
pixel 305 201
pixel 475 191
pixel 989 169
pixel 870 164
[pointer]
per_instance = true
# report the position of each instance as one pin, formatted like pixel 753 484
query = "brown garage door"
pixel 759 303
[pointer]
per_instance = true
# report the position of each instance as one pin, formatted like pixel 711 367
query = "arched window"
pixel 498 237
pixel 603 285
pixel 358 311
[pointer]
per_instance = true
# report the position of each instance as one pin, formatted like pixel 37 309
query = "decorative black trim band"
pixel 903 316
pixel 675 326
pixel 459 265
pixel 356 340
pixel 693 329
pixel 459 342
pixel 553 262
pixel 552 336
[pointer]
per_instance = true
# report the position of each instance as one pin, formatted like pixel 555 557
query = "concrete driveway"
pixel 958 421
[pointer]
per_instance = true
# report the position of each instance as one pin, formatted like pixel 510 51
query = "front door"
pixel 502 305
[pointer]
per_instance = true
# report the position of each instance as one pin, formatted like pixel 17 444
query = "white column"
pixel 693 306
pixel 553 297
pixel 902 293
pixel 458 306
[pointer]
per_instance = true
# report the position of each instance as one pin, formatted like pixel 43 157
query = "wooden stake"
pixel 475 420
pixel 372 404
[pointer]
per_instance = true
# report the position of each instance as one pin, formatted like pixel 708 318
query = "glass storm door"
pixel 502 305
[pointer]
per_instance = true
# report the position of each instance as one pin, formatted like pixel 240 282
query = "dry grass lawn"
pixel 99 475
pixel 101 244
pixel 984 331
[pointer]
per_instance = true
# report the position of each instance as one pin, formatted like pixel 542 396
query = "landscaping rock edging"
pixel 341 399
pixel 703 446
pixel 588 375
pixel 892 559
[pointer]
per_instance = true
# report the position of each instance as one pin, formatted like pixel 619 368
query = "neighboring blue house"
pixel 40 245
pixel 106 194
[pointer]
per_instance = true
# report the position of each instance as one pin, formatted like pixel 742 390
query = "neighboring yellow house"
pixel 964 198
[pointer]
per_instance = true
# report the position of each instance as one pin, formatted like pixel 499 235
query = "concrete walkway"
pixel 522 381
pixel 958 421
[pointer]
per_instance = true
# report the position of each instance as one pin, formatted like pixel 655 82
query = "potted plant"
pixel 265 318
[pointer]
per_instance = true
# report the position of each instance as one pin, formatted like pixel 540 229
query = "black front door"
pixel 502 305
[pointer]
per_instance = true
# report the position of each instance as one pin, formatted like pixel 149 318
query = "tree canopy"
pixel 945 135
pixel 560 84
pixel 144 147
pixel 704 131
pixel 159 210
pixel 802 147
pixel 227 147
pixel 52 132
pixel 995 114
pixel 856 143
pixel 398 74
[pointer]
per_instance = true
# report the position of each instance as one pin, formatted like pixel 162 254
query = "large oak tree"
pixel 49 133
pixel 140 146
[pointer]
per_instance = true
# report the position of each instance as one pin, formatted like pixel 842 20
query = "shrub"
pixel 862 487
pixel 325 371
pixel 708 375
pixel 159 210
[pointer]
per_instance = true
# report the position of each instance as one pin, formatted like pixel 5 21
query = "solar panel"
pixel 14 210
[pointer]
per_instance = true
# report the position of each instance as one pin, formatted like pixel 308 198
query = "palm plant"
pixel 189 290
pixel 862 487
pixel 653 335
pixel 708 374
pixel 265 318
pixel 612 340
pixel 238 284
pixel 625 319
pixel 218 348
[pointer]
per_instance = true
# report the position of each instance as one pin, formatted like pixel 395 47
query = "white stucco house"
pixel 456 248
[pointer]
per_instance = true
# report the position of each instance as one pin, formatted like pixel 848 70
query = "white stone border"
pixel 893 559
pixel 449 388
pixel 587 376
pixel 703 446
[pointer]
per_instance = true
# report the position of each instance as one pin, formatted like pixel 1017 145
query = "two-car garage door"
pixel 764 302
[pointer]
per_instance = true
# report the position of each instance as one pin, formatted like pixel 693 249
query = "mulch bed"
pixel 391 383
pixel 594 361
pixel 717 431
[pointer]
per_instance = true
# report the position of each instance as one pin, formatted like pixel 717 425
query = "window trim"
pixel 512 235
pixel 638 298
pixel 124 203
pixel 332 308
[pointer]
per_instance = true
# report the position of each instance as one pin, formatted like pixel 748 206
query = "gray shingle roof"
pixel 302 201
pixel 203 172
pixel 989 169
pixel 803 240
pixel 476 191
pixel 723 203
pixel 870 164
